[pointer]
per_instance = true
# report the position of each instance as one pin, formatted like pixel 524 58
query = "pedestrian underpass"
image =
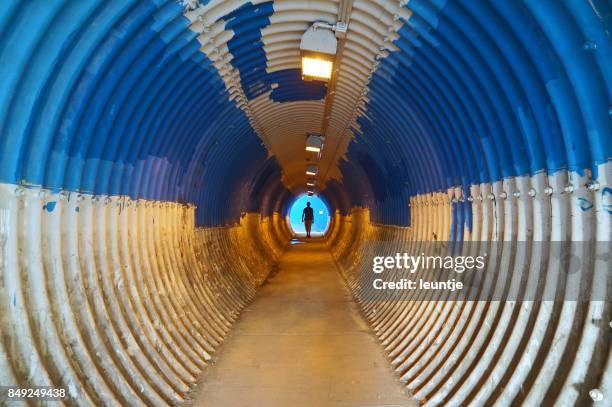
pixel 150 151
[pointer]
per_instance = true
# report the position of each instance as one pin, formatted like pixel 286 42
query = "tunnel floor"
pixel 302 342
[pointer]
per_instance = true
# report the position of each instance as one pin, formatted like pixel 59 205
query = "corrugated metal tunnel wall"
pixel 149 150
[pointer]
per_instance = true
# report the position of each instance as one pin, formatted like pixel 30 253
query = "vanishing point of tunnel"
pixel 309 203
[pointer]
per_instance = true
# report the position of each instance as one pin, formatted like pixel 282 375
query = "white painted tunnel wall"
pixel 447 352
pixel 121 301
pixel 126 300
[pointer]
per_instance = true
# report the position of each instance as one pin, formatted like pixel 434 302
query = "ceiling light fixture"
pixel 312 170
pixel 318 51
pixel 314 143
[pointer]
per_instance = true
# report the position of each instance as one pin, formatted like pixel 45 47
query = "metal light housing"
pixel 314 143
pixel 312 170
pixel 318 52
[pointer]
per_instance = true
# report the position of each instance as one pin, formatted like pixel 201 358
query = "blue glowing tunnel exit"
pixel 321 215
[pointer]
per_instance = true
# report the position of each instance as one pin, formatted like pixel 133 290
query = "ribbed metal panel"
pixel 525 352
pixel 115 98
pixel 122 302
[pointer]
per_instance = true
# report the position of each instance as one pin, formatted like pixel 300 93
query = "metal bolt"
pixel 191 5
pixel 590 46
pixel 63 196
pixel 532 192
pixel 516 194
pixel 596 395
pixel 592 186
pixel 491 197
pixel 569 189
pixel 548 190
pixel 503 195
pixel 470 199
pixel 479 197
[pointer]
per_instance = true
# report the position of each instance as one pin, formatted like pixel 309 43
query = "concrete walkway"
pixel 302 342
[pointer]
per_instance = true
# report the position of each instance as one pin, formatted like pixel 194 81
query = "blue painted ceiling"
pixel 116 98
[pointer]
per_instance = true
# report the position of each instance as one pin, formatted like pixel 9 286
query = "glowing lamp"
pixel 318 52
pixel 314 143
pixel 312 170
pixel 316 68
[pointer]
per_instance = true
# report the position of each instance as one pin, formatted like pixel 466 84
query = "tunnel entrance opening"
pixel 321 215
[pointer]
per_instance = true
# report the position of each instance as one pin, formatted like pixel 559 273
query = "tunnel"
pixel 151 150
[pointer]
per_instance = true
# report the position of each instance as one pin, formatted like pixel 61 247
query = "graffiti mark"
pixel 50 206
pixel 606 199
pixel 585 204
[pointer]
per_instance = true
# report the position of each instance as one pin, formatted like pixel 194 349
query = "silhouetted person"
pixel 308 218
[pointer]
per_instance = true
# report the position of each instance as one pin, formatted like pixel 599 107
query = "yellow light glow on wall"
pixel 316 68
